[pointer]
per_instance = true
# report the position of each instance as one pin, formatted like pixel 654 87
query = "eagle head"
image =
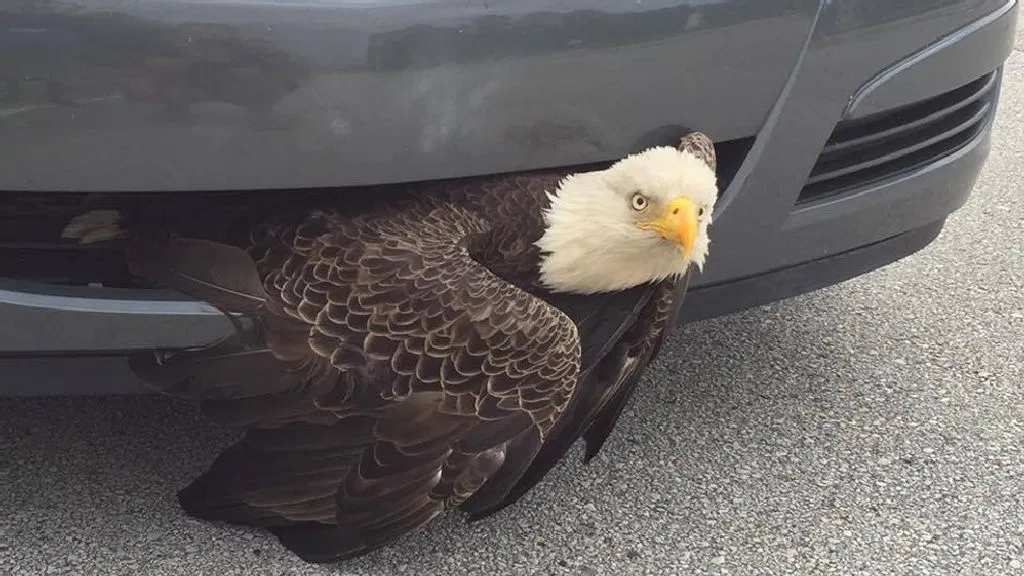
pixel 643 219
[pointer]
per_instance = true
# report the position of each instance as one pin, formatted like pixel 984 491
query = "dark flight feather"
pixel 206 270
pixel 647 340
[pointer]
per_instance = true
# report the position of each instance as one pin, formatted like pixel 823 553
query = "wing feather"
pixel 393 415
pixel 622 334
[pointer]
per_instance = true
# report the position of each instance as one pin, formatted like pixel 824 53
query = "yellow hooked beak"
pixel 678 223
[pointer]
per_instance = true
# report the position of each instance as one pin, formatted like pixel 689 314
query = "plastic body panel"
pixel 248 94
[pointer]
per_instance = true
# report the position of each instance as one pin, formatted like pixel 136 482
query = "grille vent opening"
pixel 866 150
pixel 31 223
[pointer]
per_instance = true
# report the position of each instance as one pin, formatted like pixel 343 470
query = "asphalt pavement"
pixel 875 428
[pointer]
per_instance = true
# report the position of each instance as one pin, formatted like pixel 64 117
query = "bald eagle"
pixel 436 351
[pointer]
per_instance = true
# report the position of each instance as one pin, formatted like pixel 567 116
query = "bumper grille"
pixel 866 150
pixel 31 248
pixel 31 223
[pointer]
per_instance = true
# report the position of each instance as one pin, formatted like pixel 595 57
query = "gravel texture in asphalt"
pixel 876 427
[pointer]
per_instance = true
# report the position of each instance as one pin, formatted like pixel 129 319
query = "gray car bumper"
pixel 762 226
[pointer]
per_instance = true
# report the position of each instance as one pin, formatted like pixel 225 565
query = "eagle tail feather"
pixel 320 490
pixel 318 543
pixel 201 500
pixel 249 485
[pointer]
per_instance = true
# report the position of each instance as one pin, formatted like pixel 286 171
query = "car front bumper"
pixel 774 236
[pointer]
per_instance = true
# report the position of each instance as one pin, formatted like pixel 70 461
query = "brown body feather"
pixel 404 361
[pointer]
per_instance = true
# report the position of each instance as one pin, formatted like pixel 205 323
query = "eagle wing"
pixel 621 334
pixel 393 376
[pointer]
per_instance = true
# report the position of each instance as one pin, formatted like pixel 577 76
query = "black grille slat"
pixel 59 264
pixel 866 150
pixel 930 112
pixel 890 151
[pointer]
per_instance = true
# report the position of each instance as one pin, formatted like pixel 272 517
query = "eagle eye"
pixel 639 201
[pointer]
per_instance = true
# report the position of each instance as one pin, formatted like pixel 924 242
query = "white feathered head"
pixel 643 219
